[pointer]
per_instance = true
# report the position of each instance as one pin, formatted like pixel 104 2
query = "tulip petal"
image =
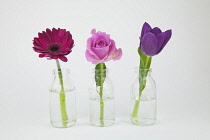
pixel 161 38
pixel 146 28
pixel 167 36
pixel 149 44
pixel 156 31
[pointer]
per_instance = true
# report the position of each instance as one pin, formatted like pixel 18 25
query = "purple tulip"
pixel 153 41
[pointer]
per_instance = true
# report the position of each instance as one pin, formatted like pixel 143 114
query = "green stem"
pixel 62 96
pixel 145 62
pixel 101 74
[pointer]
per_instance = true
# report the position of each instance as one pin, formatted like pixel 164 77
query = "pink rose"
pixel 100 48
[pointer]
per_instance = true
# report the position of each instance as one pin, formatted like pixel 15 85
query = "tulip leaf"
pixel 145 61
pixel 100 74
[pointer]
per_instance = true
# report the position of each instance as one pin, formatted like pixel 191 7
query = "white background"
pixel 181 70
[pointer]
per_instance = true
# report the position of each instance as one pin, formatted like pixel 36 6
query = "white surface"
pixel 181 71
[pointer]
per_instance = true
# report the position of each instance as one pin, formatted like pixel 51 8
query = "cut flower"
pixel 54 44
pixel 153 41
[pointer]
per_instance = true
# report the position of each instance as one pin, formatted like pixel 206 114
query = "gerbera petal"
pixel 63 58
pixel 43 40
pixel 37 43
pixel 65 38
pixel 60 35
pixel 47 37
pixel 39 50
pixel 68 46
pixel 54 35
pixel 49 32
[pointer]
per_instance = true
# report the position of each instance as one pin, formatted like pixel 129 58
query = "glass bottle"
pixel 62 100
pixel 102 105
pixel 143 98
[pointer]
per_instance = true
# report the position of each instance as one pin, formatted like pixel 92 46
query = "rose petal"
pixel 112 47
pixel 118 54
pixel 93 31
pixel 101 52
pixel 149 44
pixel 89 48
pixel 90 58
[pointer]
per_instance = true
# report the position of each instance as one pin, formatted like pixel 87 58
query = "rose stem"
pixel 62 96
pixel 102 71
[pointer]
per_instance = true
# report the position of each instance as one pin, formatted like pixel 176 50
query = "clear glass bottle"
pixel 62 100
pixel 102 105
pixel 143 98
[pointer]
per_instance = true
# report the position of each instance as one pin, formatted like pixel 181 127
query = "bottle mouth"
pixel 142 70
pixel 63 70
pixel 97 71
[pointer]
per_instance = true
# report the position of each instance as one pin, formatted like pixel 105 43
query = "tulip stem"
pixel 62 96
pixel 145 62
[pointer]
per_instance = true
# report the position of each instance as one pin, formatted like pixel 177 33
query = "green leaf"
pixel 145 61
pixel 100 74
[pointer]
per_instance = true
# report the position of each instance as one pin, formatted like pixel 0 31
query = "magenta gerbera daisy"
pixel 54 44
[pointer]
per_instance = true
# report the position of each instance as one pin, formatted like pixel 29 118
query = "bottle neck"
pixel 143 71
pixel 101 71
pixel 65 72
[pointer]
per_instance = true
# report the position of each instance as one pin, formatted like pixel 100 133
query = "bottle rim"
pixel 98 71
pixel 63 70
pixel 136 69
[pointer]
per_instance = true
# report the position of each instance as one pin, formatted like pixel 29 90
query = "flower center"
pixel 54 48
pixel 101 43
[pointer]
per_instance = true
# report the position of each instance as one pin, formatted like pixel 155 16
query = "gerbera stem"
pixel 62 96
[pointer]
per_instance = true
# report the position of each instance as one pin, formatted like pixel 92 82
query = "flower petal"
pixel 101 52
pixel 149 44
pixel 146 28
pixel 112 47
pixel 63 58
pixel 93 31
pixel 42 40
pixel 118 54
pixel 156 31
pixel 90 58
pixel 167 36
pixel 39 50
